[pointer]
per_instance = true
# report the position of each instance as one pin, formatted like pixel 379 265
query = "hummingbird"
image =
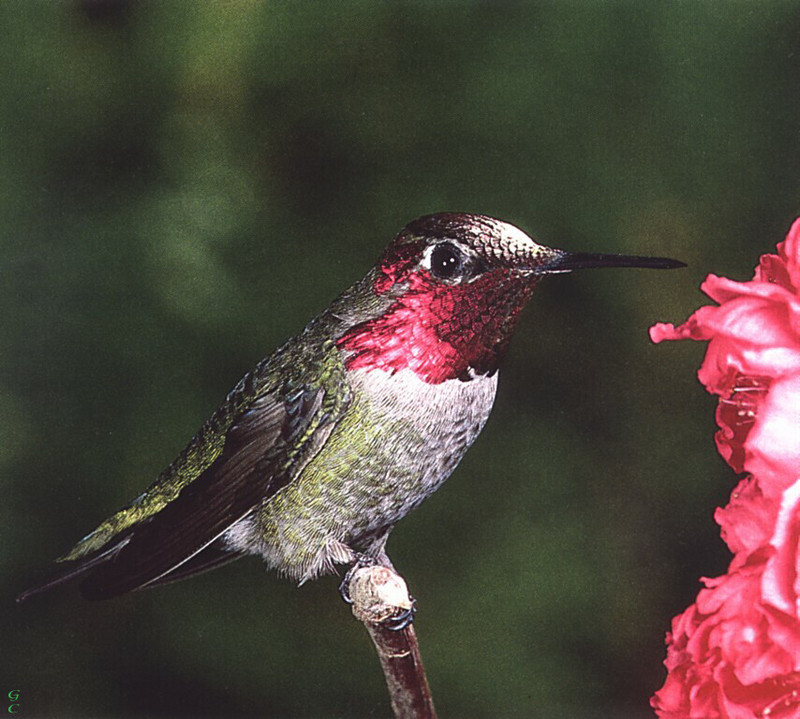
pixel 320 450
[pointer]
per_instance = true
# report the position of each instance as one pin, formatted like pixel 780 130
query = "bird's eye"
pixel 446 261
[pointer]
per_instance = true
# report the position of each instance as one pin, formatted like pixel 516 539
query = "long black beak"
pixel 562 261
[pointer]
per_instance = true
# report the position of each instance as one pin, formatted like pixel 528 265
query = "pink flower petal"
pixel 773 446
pixel 748 521
pixel 779 584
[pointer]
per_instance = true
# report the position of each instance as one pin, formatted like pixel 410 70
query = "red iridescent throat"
pixel 437 330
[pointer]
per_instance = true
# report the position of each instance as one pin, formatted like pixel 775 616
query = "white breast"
pixel 442 421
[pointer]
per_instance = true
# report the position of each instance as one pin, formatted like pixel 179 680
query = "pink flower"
pixel 754 339
pixel 732 655
pixel 736 651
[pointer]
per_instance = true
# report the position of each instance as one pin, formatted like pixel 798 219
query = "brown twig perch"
pixel 380 595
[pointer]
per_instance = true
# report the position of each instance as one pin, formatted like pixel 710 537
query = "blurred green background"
pixel 183 185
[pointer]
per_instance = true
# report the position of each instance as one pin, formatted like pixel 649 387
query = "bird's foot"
pixel 377 594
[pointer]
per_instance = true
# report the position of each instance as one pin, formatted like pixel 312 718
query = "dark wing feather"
pixel 264 449
pixel 250 469
pixel 214 555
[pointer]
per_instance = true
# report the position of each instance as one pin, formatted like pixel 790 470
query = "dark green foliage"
pixel 183 185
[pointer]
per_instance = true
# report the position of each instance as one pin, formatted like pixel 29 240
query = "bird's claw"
pixel 402 619
pixel 344 587
pixel 361 561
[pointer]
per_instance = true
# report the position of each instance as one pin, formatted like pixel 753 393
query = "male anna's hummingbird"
pixel 326 444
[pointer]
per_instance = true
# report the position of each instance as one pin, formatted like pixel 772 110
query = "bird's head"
pixel 456 283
